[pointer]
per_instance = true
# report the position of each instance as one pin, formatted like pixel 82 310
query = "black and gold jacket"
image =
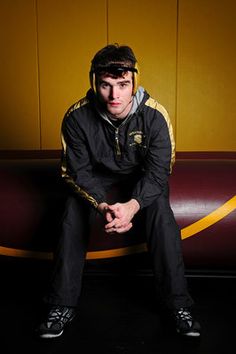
pixel 98 153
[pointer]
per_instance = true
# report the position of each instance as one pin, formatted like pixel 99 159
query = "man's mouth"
pixel 114 104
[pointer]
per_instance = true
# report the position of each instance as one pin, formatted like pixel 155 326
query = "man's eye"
pixel 104 85
pixel 123 84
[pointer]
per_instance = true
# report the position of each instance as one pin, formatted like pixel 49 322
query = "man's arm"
pixel 76 165
pixel 157 164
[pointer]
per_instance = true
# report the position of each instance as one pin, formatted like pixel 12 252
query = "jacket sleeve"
pixel 76 168
pixel 157 164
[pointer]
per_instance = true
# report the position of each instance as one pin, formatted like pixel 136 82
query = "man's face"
pixel 116 94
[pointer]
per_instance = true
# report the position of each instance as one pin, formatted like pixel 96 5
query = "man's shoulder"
pixel 154 104
pixel 77 105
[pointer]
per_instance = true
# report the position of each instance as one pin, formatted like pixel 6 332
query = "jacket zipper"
pixel 118 152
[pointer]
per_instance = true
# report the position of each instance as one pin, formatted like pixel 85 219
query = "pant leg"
pixel 164 244
pixel 66 280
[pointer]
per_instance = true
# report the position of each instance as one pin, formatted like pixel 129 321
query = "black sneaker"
pixel 56 321
pixel 185 324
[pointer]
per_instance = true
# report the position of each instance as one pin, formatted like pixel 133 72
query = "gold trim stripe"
pixel 156 105
pixel 68 179
pixel 186 232
pixel 209 219
pixel 15 252
pixel 118 252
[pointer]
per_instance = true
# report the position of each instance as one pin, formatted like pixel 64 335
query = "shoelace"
pixel 184 314
pixel 59 315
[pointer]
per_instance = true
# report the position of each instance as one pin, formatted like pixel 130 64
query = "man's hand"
pixel 119 215
pixel 103 208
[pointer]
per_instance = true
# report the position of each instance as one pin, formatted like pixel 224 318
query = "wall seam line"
pixel 107 19
pixel 38 76
pixel 177 69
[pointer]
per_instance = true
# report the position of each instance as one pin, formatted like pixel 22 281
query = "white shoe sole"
pixel 50 335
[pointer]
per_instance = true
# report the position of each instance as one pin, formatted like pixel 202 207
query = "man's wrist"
pixel 135 205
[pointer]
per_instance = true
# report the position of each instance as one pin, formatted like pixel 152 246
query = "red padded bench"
pixel 203 198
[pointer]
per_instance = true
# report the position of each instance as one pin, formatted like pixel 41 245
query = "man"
pixel 117 135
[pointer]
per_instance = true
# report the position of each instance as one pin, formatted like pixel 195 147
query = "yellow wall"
pixel 186 51
pixel 19 115
pixel 68 34
pixel 206 109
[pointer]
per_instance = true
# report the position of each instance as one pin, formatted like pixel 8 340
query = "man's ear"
pixel 136 79
pixel 92 79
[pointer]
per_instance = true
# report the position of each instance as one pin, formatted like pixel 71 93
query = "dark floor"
pixel 117 315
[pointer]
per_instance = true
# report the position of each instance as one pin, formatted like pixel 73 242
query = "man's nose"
pixel 114 92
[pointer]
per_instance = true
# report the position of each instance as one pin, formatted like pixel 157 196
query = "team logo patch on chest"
pixel 137 138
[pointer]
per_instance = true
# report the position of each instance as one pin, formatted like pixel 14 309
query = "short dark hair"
pixel 113 54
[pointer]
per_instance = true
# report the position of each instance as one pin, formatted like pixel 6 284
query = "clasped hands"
pixel 118 216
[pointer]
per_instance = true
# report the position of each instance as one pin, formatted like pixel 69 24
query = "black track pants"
pixel 164 245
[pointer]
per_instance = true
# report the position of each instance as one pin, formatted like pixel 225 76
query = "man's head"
pixel 115 60
pixel 113 76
